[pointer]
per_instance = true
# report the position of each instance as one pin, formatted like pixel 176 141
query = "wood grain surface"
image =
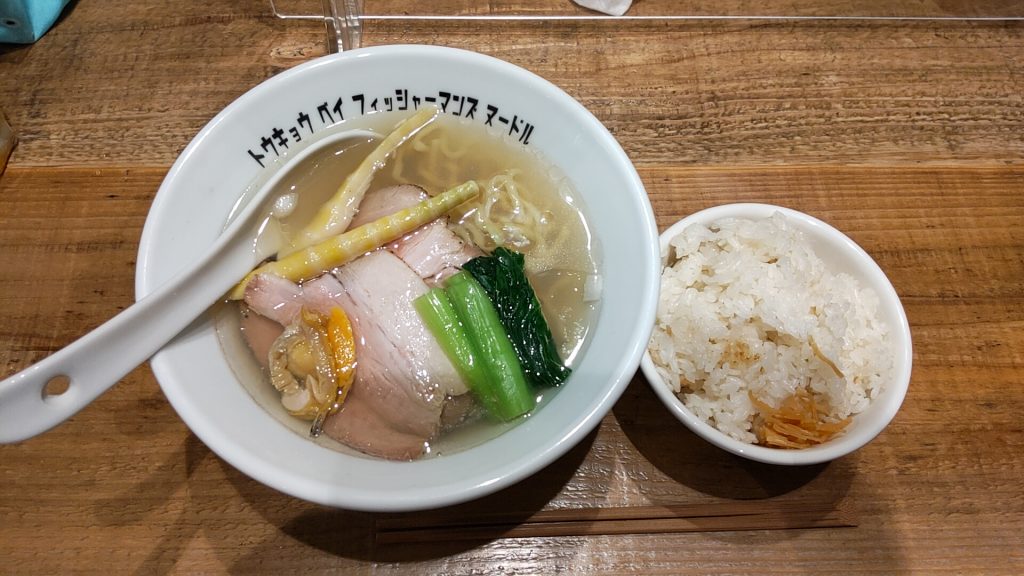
pixel 908 136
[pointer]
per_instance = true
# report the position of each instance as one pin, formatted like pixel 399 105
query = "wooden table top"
pixel 906 135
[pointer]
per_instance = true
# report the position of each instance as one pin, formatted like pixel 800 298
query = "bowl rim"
pixel 576 428
pixel 892 398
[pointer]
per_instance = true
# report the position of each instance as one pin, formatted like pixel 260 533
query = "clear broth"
pixel 450 151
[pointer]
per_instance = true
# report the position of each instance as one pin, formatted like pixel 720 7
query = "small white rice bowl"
pixel 761 302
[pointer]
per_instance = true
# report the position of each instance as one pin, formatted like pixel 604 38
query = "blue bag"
pixel 25 21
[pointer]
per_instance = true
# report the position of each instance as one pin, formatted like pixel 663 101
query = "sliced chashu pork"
pixel 386 201
pixel 276 303
pixel 433 250
pixel 402 375
pixel 281 300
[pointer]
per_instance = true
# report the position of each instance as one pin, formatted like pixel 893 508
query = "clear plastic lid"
pixel 347 19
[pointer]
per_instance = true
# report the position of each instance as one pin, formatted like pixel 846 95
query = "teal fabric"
pixel 25 21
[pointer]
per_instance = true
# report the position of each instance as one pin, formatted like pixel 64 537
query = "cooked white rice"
pixel 741 302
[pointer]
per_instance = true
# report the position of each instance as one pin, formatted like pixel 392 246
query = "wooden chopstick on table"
pixel 711 517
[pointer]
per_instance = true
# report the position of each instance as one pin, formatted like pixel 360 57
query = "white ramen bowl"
pixel 839 254
pixel 241 144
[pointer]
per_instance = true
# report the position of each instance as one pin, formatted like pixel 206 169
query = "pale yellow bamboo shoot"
pixel 343 248
pixel 336 214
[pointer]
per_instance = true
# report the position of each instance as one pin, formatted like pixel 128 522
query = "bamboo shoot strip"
pixel 333 252
pixel 336 214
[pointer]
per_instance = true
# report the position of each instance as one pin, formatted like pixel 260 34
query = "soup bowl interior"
pixel 839 254
pixel 253 136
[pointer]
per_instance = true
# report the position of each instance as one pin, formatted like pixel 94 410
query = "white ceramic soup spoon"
pixel 98 360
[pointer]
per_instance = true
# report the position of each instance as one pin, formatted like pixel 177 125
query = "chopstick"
pixel 710 517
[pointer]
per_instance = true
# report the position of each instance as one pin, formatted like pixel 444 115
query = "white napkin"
pixel 613 7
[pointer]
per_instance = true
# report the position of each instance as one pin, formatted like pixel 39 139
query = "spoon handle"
pixel 96 361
